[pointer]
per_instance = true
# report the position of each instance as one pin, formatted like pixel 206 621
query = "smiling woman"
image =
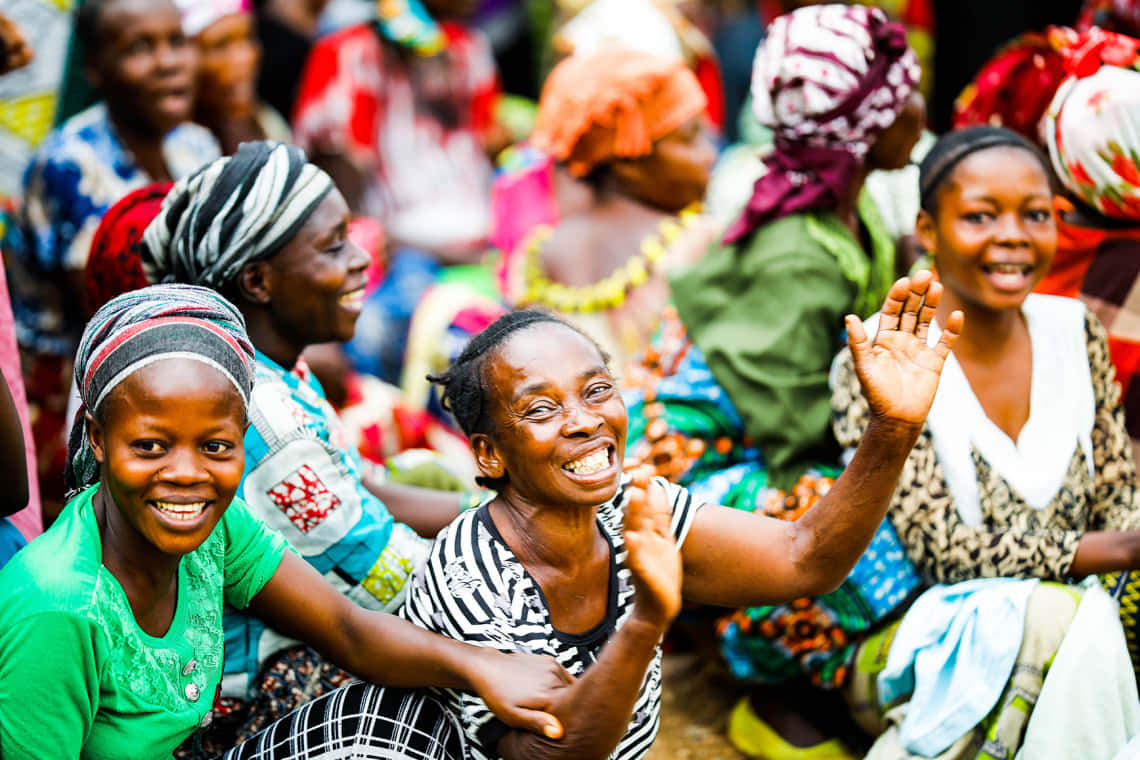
pixel 270 231
pixel 126 590
pixel 576 560
pixel 143 67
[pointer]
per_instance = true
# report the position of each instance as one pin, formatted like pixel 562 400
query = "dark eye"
pixel 978 217
pixel 1039 216
pixel 217 447
pixel 148 447
pixel 540 411
pixel 138 47
pixel 600 390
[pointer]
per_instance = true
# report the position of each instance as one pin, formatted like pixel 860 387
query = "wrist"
pixel 889 430
pixel 646 624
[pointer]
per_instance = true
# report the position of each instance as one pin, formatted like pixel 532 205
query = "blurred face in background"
pixel 144 65
pixel 227 72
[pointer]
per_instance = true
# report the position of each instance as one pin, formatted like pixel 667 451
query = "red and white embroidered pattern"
pixel 304 499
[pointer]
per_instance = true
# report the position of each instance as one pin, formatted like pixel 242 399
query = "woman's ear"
pixel 926 231
pixel 95 438
pixel 253 282
pixel 487 457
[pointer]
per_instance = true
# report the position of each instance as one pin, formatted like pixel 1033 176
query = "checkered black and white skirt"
pixel 360 721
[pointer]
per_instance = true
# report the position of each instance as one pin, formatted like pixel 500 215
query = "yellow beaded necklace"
pixel 609 292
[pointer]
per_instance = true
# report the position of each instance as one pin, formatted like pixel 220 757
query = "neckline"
pixel 979 411
pixel 174 634
pixel 603 627
pixel 611 291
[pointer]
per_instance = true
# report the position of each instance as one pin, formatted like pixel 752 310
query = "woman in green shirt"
pixel 111 622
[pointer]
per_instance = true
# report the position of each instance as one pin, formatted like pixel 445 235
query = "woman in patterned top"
pixel 124 594
pixel 1024 468
pixel 547 567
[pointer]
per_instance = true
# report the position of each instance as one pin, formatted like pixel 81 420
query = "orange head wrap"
pixel 613 104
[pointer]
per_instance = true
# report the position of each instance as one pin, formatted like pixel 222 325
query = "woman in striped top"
pixel 574 560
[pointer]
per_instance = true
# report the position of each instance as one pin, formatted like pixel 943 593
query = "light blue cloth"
pixel 953 654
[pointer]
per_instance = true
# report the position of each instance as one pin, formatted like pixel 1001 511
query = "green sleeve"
pixel 770 347
pixel 50 671
pixel 253 552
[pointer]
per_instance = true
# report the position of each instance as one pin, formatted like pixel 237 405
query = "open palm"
pixel 898 371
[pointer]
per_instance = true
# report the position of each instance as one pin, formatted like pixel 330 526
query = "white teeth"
pixel 591 463
pixel 1009 268
pixel 181 511
pixel 355 298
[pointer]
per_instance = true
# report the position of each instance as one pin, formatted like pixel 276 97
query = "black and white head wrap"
pixel 233 211
pixel 144 326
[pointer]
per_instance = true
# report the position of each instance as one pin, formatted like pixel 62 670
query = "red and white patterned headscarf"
pixel 827 81
pixel 1092 126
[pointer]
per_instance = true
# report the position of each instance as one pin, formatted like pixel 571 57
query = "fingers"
pixel 919 284
pixel 950 333
pixel 534 721
pixel 857 338
pixel 929 307
pixel 893 306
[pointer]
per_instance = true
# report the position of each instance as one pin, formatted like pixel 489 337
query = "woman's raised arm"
pixel 738 559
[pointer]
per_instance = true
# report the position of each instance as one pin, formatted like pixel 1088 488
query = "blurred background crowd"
pixel 637 167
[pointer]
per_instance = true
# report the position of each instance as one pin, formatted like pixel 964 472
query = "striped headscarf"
pixel 231 212
pixel 144 326
pixel 827 80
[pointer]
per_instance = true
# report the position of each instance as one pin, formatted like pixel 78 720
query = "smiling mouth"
pixel 352 299
pixel 595 461
pixel 185 512
pixel 1021 269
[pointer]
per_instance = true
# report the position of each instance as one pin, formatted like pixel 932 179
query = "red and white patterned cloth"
pixel 415 122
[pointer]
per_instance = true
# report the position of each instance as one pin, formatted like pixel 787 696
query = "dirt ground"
pixel 694 708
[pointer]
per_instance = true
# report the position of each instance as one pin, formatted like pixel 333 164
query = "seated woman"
pixel 731 399
pixel 1024 468
pixel 143 67
pixel 628 125
pixel 269 230
pixel 739 383
pixel 545 566
pixel 125 591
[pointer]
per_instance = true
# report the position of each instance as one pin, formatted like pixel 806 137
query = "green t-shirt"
pixel 79 678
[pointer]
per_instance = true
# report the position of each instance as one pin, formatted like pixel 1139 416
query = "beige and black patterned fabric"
pixel 1014 539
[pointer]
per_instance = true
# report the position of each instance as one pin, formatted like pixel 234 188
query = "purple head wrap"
pixel 827 80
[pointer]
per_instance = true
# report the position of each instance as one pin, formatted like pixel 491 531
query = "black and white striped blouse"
pixel 473 588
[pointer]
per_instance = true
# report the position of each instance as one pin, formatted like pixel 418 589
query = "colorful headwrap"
pixel 1092 129
pixel 231 212
pixel 114 265
pixel 613 104
pixel 199 14
pixel 144 326
pixel 1015 86
pixel 827 80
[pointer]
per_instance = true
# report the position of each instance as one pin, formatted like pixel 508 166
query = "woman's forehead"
pixel 548 351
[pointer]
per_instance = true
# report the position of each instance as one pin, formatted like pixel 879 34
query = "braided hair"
pixel 464 387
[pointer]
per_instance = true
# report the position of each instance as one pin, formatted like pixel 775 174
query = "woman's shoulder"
pixel 58 572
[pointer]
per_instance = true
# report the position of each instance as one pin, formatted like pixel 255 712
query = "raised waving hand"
pixel 898 371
